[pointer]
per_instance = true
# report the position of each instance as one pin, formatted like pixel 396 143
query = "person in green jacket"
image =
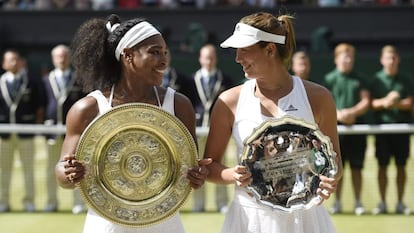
pixel 352 98
pixel 392 101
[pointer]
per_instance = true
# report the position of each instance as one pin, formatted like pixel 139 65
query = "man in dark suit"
pixel 208 82
pixel 21 102
pixel 62 92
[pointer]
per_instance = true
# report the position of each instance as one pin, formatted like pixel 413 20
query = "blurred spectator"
pixel 129 4
pixel 358 2
pixel 387 2
pixel 208 82
pixel 187 3
pixel 62 92
pixel 301 65
pixel 352 98
pixel 294 2
pixel 62 4
pixel 149 3
pixel 21 102
pixel 27 4
pixel 98 5
pixel 11 4
pixel 19 5
pixel 82 4
pixel 168 4
pixel 202 4
pixel 392 102
pixel 235 3
pixel 329 3
pixel 269 3
pixel 43 4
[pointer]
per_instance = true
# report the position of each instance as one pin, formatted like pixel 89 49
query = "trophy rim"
pixel 155 192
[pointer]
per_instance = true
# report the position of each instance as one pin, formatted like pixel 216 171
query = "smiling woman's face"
pixel 252 59
pixel 150 60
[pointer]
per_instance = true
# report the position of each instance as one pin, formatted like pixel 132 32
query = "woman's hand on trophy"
pixel 327 186
pixel 198 175
pixel 74 169
pixel 242 176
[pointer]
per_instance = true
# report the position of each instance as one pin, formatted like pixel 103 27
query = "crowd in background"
pixel 174 4
pixel 357 103
pixel 384 97
pixel 27 99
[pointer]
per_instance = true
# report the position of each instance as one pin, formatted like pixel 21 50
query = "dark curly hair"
pixel 93 52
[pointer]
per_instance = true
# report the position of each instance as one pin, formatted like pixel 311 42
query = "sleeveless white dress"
pixel 95 223
pixel 245 215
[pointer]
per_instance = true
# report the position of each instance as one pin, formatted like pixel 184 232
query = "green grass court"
pixel 210 222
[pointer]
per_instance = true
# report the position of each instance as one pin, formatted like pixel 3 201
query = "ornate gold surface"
pixel 136 156
pixel 286 157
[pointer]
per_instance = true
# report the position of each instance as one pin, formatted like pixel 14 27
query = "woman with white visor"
pixel 264 45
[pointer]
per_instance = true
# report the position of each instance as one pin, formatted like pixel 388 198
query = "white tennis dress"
pixel 95 223
pixel 245 215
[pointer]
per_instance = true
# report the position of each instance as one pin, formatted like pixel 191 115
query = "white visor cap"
pixel 245 35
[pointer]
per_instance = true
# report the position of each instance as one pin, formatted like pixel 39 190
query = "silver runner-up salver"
pixel 286 157
pixel 136 156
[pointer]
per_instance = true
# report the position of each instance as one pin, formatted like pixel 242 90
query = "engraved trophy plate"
pixel 136 156
pixel 286 157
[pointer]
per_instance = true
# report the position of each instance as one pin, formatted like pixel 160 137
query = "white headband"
pixel 135 35
pixel 245 35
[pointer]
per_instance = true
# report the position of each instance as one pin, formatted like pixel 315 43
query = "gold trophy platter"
pixel 136 156
pixel 286 157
